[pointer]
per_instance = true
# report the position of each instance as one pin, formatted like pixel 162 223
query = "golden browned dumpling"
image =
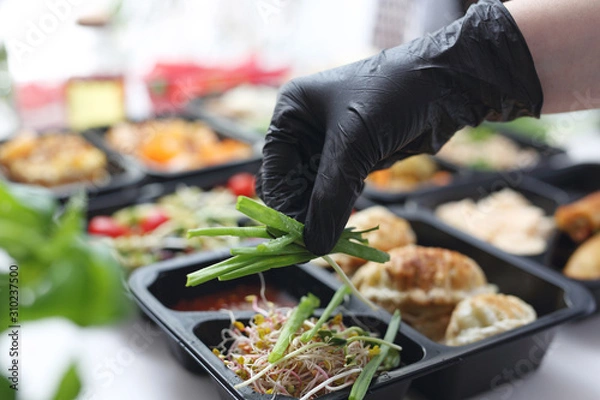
pixel 485 315
pixel 584 263
pixel 393 232
pixel 424 283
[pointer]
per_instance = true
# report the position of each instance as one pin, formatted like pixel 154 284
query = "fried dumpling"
pixel 393 232
pixel 584 263
pixel 485 315
pixel 425 283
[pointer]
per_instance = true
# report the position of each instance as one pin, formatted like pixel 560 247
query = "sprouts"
pixel 331 359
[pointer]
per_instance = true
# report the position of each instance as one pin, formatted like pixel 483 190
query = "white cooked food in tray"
pixel 505 219
pixel 490 152
pixel 478 317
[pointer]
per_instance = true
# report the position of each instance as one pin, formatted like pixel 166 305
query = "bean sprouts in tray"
pixel 312 365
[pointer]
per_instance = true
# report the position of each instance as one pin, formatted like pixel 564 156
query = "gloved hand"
pixel 329 130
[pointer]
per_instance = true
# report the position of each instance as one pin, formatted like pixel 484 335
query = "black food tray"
pixel 444 372
pixel 577 181
pixel 383 196
pixel 561 249
pixel 482 364
pixel 538 193
pixel 550 157
pixel 97 137
pixel 158 287
pixel 124 176
pixel 106 205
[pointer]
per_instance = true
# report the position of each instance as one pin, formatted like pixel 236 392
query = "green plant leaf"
pixel 6 393
pixel 70 385
pixel 33 207
pixel 65 274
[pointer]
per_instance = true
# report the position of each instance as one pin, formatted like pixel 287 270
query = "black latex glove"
pixel 329 130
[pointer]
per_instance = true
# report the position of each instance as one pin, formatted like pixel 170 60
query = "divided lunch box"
pixel 547 192
pixel 123 175
pixel 438 371
pixel 150 192
pixel 549 156
pixel 97 136
pixel 391 196
pixel 174 244
pixel 577 181
pixel 538 193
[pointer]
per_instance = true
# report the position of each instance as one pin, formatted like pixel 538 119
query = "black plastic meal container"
pixel 481 365
pixel 577 181
pixel 383 196
pixel 561 249
pixel 158 287
pixel 97 136
pixel 124 177
pixel 439 371
pixel 150 192
pixel 538 193
pixel 550 157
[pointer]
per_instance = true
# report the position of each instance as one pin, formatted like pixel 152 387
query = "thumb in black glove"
pixel 329 130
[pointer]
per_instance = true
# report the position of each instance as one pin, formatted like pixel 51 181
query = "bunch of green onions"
pixel 285 247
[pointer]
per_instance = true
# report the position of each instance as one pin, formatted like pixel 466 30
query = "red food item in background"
pixel 242 184
pixel 106 226
pixel 153 220
pixel 171 85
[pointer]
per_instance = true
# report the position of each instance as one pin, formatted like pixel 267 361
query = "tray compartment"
pixel 97 136
pixel 538 193
pixel 383 196
pixel 209 334
pixel 292 283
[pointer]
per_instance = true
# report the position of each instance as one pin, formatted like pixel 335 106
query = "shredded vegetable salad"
pixel 146 233
pixel 319 357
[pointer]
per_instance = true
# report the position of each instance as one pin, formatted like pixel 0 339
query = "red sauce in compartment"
pixel 235 299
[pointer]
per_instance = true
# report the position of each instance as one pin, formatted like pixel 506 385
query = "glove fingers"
pixel 338 184
pixel 283 181
pixel 287 174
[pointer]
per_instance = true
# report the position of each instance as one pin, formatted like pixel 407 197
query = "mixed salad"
pixel 146 233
